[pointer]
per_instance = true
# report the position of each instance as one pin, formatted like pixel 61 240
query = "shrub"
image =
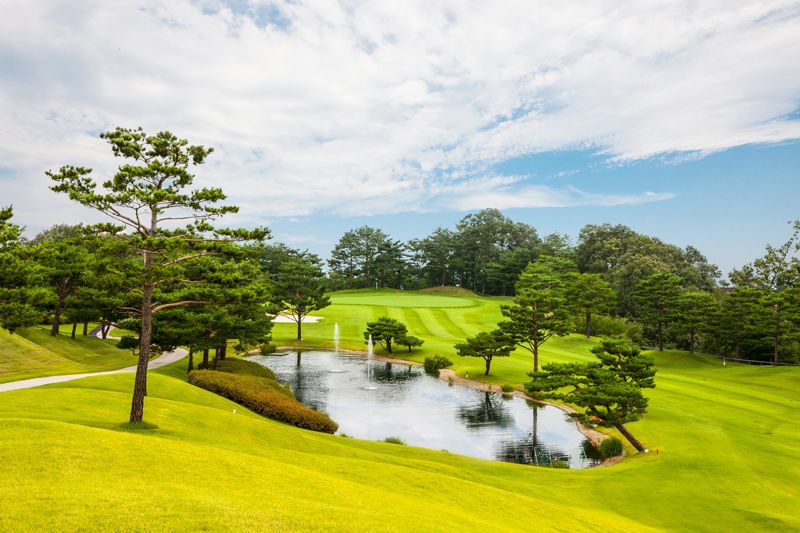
pixel 267 348
pixel 436 362
pixel 507 388
pixel 264 397
pixel 559 463
pixel 394 440
pixel 608 326
pixel 610 447
pixel 241 367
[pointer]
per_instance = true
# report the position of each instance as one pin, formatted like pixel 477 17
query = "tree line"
pixel 612 281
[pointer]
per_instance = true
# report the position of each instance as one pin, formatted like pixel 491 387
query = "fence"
pixel 750 361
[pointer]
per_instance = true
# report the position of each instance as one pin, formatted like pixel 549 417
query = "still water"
pixel 402 401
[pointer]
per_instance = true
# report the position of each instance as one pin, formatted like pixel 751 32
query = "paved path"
pixel 162 360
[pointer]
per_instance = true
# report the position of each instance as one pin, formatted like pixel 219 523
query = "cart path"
pixel 163 360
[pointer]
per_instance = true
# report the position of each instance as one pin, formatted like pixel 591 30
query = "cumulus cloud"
pixel 342 107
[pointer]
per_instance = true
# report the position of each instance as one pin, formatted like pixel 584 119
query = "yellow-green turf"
pixel 724 457
pixel 33 352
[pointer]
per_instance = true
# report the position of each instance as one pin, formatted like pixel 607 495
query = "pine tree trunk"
pixel 56 321
pixel 140 382
pixel 217 351
pixel 106 329
pixel 74 328
pixel 776 344
pixel 588 324
pixel 86 329
pixel 776 352
pixel 627 434
pixel 299 328
pixel 191 361
pixel 488 363
pixel 224 353
pixel 205 358
pixel 536 357
pixel 389 345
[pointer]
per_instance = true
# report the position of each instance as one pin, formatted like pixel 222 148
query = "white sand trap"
pixel 286 319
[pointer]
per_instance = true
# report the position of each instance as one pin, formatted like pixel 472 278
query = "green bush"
pixel 559 463
pixel 262 396
pixel 507 388
pixel 394 440
pixel 436 362
pixel 609 326
pixel 267 348
pixel 610 447
pixel 241 367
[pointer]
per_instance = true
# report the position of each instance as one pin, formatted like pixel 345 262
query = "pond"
pixel 375 400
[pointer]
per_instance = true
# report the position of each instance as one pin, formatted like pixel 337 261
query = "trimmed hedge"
pixel 434 363
pixel 241 367
pixel 261 396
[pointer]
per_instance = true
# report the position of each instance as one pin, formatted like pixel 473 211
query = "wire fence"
pixel 726 359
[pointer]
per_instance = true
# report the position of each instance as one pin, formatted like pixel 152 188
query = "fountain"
pixel 336 347
pixel 369 386
pixel 336 337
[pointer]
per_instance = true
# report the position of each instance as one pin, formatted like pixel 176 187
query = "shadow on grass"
pixel 137 427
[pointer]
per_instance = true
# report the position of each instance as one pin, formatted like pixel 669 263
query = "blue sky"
pixel 679 119
pixel 729 204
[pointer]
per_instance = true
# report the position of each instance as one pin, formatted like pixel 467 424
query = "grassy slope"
pixel 208 468
pixel 726 438
pixel 34 353
pixel 725 435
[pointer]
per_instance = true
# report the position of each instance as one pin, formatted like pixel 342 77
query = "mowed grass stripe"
pixel 442 316
pixel 416 326
pixel 436 328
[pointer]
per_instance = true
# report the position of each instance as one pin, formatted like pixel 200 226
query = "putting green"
pixel 401 299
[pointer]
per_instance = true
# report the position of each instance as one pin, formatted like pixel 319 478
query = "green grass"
pixel 33 352
pixel 427 318
pixel 723 439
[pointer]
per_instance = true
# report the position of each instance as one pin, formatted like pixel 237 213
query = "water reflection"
pixel 425 411
pixel 392 372
pixel 530 449
pixel 488 411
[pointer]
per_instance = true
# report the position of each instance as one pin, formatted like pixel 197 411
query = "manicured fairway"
pixel 440 326
pixel 32 352
pixel 723 440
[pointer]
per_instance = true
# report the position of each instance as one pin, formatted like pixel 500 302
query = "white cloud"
pixel 366 107
pixel 544 196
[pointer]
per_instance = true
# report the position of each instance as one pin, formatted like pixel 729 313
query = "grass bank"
pixel 33 352
pixel 723 438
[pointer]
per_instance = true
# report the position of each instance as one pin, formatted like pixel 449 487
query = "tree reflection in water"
pixel 529 450
pixel 490 411
pixel 308 384
pixel 389 372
